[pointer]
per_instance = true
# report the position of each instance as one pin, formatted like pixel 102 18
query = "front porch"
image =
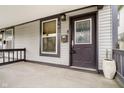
pixel 60 39
pixel 25 74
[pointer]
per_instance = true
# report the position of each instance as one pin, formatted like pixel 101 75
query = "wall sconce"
pixel 63 17
pixel 2 31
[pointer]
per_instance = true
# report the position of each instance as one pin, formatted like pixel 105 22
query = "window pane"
pixel 9 38
pixel 49 28
pixel 49 44
pixel 9 34
pixel 82 33
pixel 1 36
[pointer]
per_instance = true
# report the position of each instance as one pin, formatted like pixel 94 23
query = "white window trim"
pixel 55 35
pixel 90 31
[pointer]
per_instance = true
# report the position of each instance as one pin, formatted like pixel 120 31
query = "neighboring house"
pixel 77 38
pixel 121 26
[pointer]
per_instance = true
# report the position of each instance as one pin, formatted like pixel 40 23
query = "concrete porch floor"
pixel 24 74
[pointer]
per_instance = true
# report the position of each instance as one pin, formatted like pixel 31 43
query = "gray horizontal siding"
pixel 104 32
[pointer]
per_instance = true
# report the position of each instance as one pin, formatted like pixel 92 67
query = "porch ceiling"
pixel 12 15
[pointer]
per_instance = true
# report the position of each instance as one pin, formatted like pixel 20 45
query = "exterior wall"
pixel 104 33
pixel 28 36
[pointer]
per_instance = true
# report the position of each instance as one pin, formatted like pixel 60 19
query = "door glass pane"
pixel 83 31
pixel 49 44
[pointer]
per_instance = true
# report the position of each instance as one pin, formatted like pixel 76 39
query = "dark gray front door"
pixel 83 41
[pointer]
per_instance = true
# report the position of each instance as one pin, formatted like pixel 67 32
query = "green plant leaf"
pixel 120 7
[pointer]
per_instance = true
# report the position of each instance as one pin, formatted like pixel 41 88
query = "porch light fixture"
pixel 2 30
pixel 63 17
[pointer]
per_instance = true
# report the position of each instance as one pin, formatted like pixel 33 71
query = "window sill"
pixel 50 55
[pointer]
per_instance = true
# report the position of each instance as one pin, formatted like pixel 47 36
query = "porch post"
pixel 24 54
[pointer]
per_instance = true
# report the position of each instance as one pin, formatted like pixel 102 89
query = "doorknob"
pixel 72 49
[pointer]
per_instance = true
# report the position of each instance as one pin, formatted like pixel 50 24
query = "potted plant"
pixel 109 66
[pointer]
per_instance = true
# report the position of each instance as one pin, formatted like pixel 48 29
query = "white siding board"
pixel 104 22
pixel 105 19
pixel 106 16
pixel 105 35
pixel 104 13
pixel 105 40
pixel 104 25
pixel 106 30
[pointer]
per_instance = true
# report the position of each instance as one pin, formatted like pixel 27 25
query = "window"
pixel 83 31
pixel 1 40
pixel 9 38
pixel 49 37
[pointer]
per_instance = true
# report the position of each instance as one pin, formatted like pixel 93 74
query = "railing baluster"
pixel 24 54
pixel 8 56
pixel 20 55
pixel 13 56
pixel 17 54
pixel 123 65
pixel 3 57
